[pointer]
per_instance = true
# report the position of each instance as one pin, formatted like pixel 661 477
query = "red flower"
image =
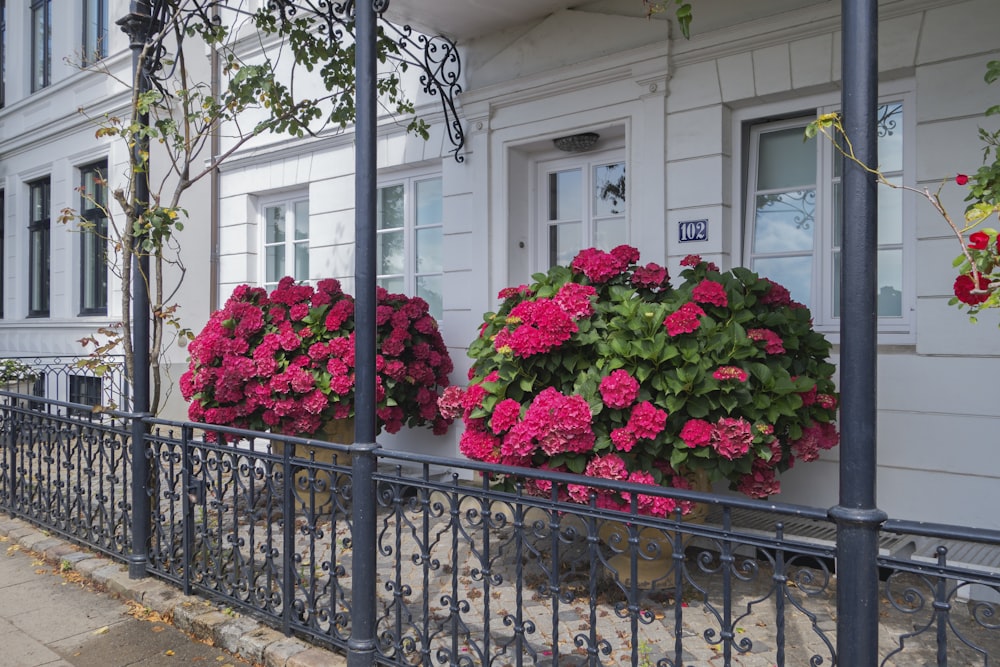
pixel 964 286
pixel 600 266
pixel 619 390
pixel 685 320
pixel 709 291
pixel 978 240
pixel 961 179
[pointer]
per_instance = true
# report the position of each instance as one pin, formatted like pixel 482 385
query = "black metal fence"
pixel 469 575
pixel 75 379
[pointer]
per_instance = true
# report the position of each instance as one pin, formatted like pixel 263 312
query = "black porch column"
pixel 138 24
pixel 857 516
pixel 361 645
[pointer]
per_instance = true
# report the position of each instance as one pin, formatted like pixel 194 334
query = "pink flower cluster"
pixel 285 361
pixel 684 320
pixel 619 390
pixel 710 292
pixel 600 266
pixel 576 372
pixel 772 341
pixel 730 373
pixel 554 423
pixel 543 326
pixel 815 438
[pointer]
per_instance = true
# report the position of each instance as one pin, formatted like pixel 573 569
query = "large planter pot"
pixel 655 550
pixel 313 488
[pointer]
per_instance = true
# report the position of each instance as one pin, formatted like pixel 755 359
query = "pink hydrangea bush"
pixel 284 361
pixel 603 368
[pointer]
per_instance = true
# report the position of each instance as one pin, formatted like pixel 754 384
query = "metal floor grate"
pixel 821 533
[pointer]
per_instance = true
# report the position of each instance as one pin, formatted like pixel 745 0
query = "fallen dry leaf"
pixel 168 652
pixel 101 631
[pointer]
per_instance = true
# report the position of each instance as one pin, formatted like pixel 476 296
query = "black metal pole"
pixel 361 645
pixel 857 516
pixel 137 25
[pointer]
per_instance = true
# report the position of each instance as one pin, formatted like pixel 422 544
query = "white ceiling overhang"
pixel 465 19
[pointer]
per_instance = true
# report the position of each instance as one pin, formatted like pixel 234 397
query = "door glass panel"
pixel 785 160
pixel 565 188
pixel 795 273
pixel 784 222
pixel 564 242
pixel 609 233
pixel 609 190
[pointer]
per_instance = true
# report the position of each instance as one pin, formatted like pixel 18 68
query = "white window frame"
pixel 409 180
pixel 891 330
pixel 288 200
pixel 544 165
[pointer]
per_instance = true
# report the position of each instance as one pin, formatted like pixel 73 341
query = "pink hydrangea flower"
pixel 732 437
pixel 730 373
pixel 684 319
pixel 619 390
pixel 711 292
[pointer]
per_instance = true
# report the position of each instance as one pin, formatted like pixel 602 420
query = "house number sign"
pixel 692 230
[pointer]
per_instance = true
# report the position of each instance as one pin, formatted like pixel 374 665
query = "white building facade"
pixel 699 149
pixel 67 67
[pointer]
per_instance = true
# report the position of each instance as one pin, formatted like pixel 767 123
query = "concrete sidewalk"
pixel 61 606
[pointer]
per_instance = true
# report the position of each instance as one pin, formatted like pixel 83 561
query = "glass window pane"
pixel 390 252
pixel 609 190
pixel 784 222
pixel 609 233
pixel 429 250
pixel 430 289
pixel 390 207
pixel 394 284
pixel 429 207
pixel 836 283
pixel 274 224
pixel 275 263
pixel 785 160
pixel 890 283
pixel 301 220
pixel 890 137
pixel 565 189
pixel 795 273
pixel 890 214
pixel 565 241
pixel 302 261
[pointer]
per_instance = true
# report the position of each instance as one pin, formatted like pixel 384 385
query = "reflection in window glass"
pixel 564 195
pixel 286 241
pixel 410 243
pixel 785 222
pixel 795 273
pixel 564 243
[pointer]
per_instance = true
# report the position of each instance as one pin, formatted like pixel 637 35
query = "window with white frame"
pixel 581 204
pixel 41 44
pixel 411 237
pixel 286 239
pixel 95 30
pixel 794 230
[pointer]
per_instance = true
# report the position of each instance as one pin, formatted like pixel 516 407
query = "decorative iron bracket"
pixel 436 58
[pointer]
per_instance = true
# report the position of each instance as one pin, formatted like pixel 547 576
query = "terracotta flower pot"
pixel 314 494
pixel 655 550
